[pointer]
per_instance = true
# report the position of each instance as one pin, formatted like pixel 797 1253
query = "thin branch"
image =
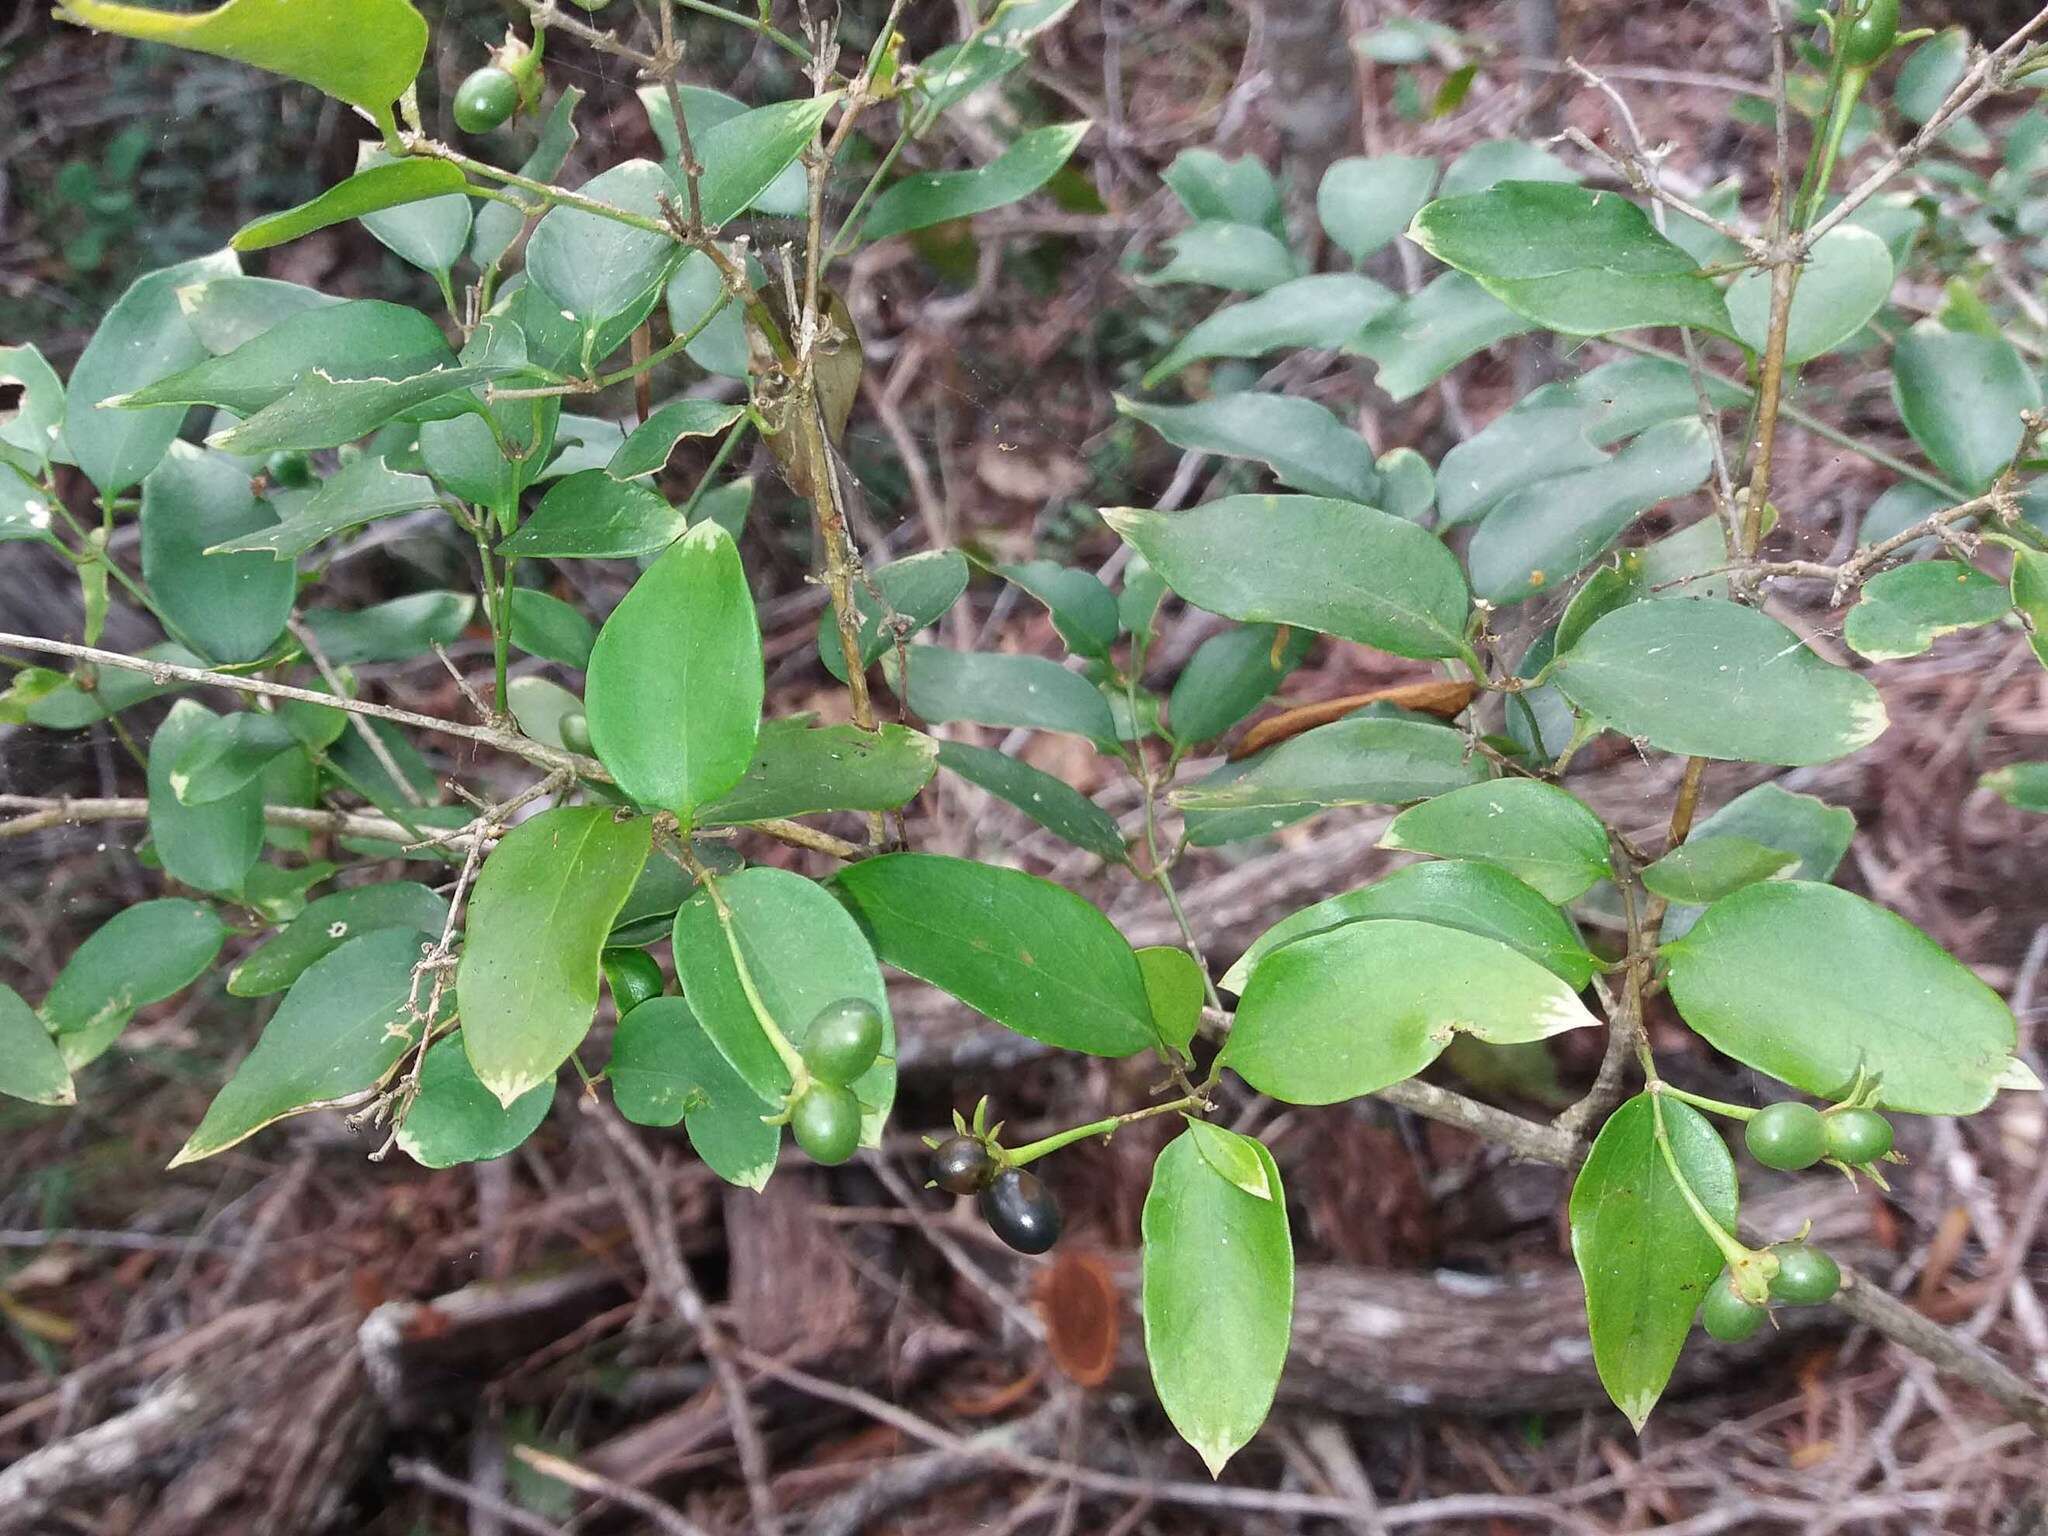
pixel 1635 173
pixel 43 812
pixel 407 790
pixel 1872 1304
pixel 664 1516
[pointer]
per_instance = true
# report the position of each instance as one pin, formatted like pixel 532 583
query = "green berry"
pixel 289 467
pixel 1858 1136
pixel 1727 1314
pixel 574 730
pixel 1021 1211
pixel 1866 40
pixel 827 1123
pixel 485 99
pixel 1805 1275
pixel 962 1165
pixel 633 977
pixel 1787 1136
pixel 843 1040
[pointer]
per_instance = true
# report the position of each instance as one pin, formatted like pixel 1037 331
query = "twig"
pixel 1634 171
pixel 1948 1351
pixel 378 749
pixel 425 1475
pixel 562 1470
pixel 53 811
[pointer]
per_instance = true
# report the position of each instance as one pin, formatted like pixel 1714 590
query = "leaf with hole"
pixel 647 450
pixel 1904 611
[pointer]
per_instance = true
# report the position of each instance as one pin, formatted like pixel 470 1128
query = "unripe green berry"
pixel 1787 1136
pixel 574 730
pixel 1805 1275
pixel 1858 1136
pixel 1727 1314
pixel 843 1040
pixel 485 99
pixel 826 1123
pixel 1866 40
pixel 633 977
pixel 289 467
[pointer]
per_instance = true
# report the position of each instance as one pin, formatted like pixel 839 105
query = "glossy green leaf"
pixel 1479 898
pixel 663 886
pixel 143 338
pixel 1705 869
pixel 918 202
pixel 548 627
pixel 527 982
pixel 329 923
pixel 664 1069
pixel 1320 311
pixel 33 427
pixel 143 954
pixel 1645 1259
pixel 1430 332
pixel 540 706
pixel 1536 831
pixel 952 74
pixel 1526 450
pixel 1300 441
pixel 455 1119
pixel 582 443
pixel 744 155
pixel 323 412
pixel 1930 73
pixel 1868 989
pixel 800 767
pixel 497 224
pixel 1844 283
pixel 591 516
pixel 595 267
pixel 1712 678
pixel 2021 785
pixel 2028 587
pixel 1904 611
pixel 1363 203
pixel 1355 1008
pixel 647 450
pixel 364 52
pixel 227 607
pixel 229 753
pixel 1031 955
pixel 1083 609
pixel 1330 566
pixel 1220 254
pixel 1214 186
pixel 379 185
pixel 700 306
pixel 1491 161
pixel 208 847
pixel 31 1066
pixel 916 591
pixel 1051 802
pixel 1173 981
pixel 341 1030
pixel 399 630
pixel 1348 762
pixel 803 952
pixel 1817 832
pixel 1960 395
pixel 996 688
pixel 364 490
pixel 229 312
pixel 1213 1252
pixel 1229 676
pixel 1571 259
pixel 785 195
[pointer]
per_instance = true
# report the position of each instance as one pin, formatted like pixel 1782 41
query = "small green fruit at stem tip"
pixel 289 467
pixel 1728 1315
pixel 843 1040
pixel 1805 1275
pixel 575 732
pixel 633 977
pixel 826 1123
pixel 1857 1136
pixel 1787 1136
pixel 962 1165
pixel 1869 37
pixel 1021 1211
pixel 485 100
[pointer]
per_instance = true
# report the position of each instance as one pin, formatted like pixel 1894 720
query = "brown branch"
pixel 1871 1304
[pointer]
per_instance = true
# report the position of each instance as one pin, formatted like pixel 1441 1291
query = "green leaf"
pixel 675 680
pixel 1573 260
pixel 918 202
pixel 329 923
pixel 1705 869
pixel 34 427
pixel 1212 186
pixel 1960 395
pixel 1242 257
pixel 917 590
pixel 1219 1295
pixel 456 1120
pixel 341 1030
pixel 143 954
pixel 1712 678
pixel 31 1066
pixel 1330 566
pixel 1031 955
pixel 1819 833
pixel 227 607
pixel 143 338
pixel 1300 441
pixel 1479 898
pixel 595 267
pixel 540 707
pixel 1845 282
pixel 1355 1008
pixel 582 443
pixel 663 886
pixel 24 509
pixel 1645 1260
pixel 2029 590
pixel 229 753
pixel 996 688
pixel 1173 982
pixel 229 312
pixel 665 1069
pixel 591 516
pixel 1364 203
pixel 1083 609
pixel 497 224
pixel 2021 785
pixel 1318 311
pixel 803 952
pixel 1348 762
pixel 1930 73
pixel 950 75
pixel 1534 830
pixel 1051 802
pixel 527 982
pixel 1904 611
pixel 786 195
pixel 1488 163
pixel 67 707
pixel 1229 676
pixel 799 768
pixel 399 630
pixel 379 185
pixel 208 847
pixel 323 412
pixel 1536 538
pixel 1868 989
pixel 364 490
pixel 696 291
pixel 745 155
pixel 647 450
pixel 546 626
pixel 1429 333
pixel 364 52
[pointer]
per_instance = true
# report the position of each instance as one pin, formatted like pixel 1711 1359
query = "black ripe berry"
pixel 1021 1211
pixel 962 1165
